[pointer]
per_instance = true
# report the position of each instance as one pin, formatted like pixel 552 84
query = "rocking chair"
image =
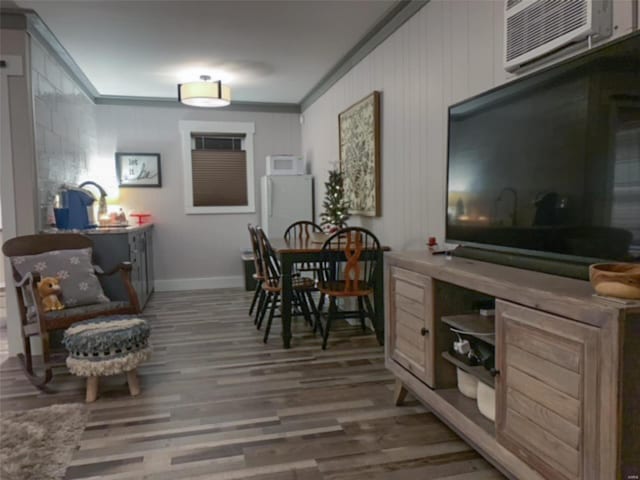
pixel 34 321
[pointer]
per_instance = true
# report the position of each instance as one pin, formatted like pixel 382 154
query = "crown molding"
pixel 235 106
pixel 394 19
pixel 39 30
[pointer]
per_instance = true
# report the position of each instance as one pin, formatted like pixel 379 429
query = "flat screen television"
pixel 549 165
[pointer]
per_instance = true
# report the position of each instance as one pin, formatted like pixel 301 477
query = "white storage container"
pixel 467 384
pixel 487 401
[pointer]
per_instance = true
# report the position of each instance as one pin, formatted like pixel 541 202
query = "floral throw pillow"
pixel 74 270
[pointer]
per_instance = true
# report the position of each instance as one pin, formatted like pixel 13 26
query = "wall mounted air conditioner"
pixel 534 28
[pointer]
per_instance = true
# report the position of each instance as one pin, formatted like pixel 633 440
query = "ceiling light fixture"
pixel 204 93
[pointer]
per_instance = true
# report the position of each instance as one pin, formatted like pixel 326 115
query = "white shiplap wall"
pixel 448 51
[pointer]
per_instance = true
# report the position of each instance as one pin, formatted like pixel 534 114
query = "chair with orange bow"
pixel 349 261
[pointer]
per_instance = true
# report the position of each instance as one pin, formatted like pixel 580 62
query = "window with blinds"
pixel 219 170
pixel 218 167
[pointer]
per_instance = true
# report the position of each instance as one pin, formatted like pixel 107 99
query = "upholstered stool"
pixel 107 346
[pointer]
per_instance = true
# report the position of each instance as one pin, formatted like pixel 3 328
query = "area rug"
pixel 38 444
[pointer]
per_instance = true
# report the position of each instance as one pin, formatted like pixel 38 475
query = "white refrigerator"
pixel 285 199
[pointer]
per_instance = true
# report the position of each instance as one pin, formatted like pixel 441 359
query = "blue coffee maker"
pixel 78 202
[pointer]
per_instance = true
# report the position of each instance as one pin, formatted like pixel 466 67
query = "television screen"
pixel 550 164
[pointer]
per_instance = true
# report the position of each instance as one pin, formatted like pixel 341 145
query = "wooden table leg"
pixel 286 263
pixel 92 389
pixel 399 393
pixel 134 383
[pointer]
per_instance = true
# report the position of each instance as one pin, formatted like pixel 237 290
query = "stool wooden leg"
pixel 134 384
pixel 92 389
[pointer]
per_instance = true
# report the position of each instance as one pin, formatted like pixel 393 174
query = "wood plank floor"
pixel 217 403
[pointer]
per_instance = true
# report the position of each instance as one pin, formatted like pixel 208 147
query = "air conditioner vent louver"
pixel 542 22
pixel 534 28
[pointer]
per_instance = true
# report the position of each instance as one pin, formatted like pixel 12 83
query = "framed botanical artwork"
pixel 359 133
pixel 138 169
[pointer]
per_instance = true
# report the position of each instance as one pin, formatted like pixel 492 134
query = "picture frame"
pixel 138 170
pixel 359 145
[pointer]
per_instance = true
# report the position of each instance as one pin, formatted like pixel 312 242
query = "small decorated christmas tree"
pixel 336 208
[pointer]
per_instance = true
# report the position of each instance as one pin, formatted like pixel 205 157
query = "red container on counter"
pixel 142 217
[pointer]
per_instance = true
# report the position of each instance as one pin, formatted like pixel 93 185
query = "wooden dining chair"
pixel 301 229
pixel 272 285
pixel 349 260
pixel 258 296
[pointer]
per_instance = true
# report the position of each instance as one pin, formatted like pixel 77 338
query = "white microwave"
pixel 286 165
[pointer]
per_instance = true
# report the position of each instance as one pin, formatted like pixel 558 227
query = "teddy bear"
pixel 49 289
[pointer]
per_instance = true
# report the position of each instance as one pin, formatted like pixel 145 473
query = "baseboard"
pixel 207 283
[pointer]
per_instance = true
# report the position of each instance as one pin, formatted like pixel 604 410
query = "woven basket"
pixel 621 280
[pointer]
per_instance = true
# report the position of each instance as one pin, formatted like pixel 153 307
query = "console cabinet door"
pixel 547 391
pixel 411 323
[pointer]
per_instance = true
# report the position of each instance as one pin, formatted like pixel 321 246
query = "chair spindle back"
pixel 302 230
pixel 270 264
pixel 358 249
pixel 257 257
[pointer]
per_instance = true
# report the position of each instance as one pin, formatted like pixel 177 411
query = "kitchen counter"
pixel 102 230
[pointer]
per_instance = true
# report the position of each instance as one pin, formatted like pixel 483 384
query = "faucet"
pixel 514 215
pixel 102 203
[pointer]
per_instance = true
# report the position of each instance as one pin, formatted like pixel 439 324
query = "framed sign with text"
pixel 138 169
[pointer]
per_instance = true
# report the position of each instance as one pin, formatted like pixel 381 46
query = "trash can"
pixel 249 271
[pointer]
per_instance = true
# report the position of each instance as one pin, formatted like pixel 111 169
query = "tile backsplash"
pixel 65 127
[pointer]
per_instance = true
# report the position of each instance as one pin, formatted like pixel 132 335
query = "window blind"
pixel 219 178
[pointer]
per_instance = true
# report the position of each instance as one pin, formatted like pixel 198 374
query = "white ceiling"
pixel 267 51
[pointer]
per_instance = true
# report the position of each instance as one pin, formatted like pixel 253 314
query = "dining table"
pixel 297 250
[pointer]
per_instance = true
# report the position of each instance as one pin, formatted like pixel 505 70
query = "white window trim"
pixel 246 128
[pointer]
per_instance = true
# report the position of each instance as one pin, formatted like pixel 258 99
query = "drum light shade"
pixel 204 93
